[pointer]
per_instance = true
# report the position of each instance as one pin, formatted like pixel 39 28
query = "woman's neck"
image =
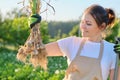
pixel 95 39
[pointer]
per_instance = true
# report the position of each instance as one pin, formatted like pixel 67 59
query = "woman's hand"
pixel 34 19
pixel 117 46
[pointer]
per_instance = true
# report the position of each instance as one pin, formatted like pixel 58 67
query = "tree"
pixel 114 32
pixel 75 31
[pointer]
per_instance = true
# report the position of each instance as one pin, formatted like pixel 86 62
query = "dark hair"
pixel 101 15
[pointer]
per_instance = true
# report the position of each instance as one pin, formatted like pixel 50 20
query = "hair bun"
pixel 111 16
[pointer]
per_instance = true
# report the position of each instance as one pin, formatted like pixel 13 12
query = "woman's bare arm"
pixel 119 73
pixel 53 49
pixel 112 74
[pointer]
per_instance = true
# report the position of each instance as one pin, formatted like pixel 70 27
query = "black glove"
pixel 34 19
pixel 117 46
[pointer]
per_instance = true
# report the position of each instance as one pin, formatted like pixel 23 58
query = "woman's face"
pixel 88 26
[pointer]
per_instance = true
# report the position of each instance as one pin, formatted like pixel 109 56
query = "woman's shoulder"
pixel 109 47
pixel 74 37
pixel 71 38
pixel 108 44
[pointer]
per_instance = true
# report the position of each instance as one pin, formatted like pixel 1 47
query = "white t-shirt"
pixel 69 47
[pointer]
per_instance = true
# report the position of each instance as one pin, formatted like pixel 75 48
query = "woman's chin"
pixel 83 35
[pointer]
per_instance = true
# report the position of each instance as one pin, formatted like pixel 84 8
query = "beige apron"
pixel 85 68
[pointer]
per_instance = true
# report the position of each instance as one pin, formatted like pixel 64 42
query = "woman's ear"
pixel 103 26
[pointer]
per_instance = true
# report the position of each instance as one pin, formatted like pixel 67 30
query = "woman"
pixel 89 57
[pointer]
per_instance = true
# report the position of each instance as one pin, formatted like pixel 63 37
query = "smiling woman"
pixel 95 20
pixel 90 51
pixel 89 27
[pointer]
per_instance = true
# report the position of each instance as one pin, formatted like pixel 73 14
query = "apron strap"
pixel 101 50
pixel 80 47
pixel 78 52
